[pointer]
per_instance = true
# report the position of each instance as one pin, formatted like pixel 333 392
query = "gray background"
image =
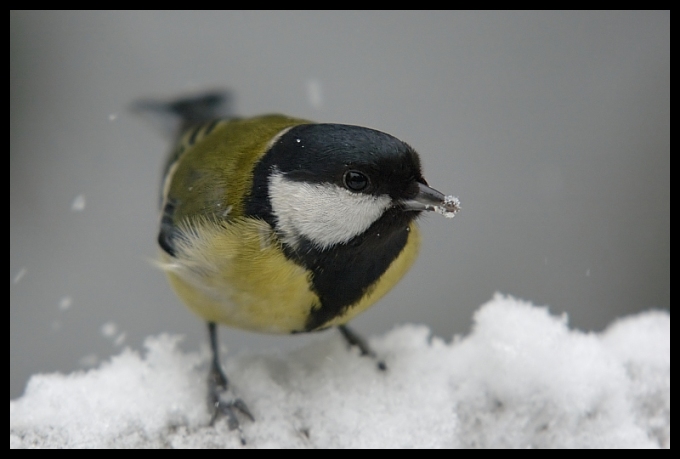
pixel 553 128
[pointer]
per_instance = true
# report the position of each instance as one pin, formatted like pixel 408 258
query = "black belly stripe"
pixel 342 275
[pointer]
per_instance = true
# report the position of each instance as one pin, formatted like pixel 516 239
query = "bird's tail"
pixel 176 116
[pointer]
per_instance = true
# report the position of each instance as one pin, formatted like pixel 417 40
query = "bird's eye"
pixel 355 181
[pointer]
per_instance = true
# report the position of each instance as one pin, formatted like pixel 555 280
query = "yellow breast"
pixel 235 273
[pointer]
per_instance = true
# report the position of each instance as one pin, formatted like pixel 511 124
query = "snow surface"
pixel 521 379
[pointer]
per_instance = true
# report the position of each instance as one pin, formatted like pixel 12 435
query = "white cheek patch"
pixel 323 213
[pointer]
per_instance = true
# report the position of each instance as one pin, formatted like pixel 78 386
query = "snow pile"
pixel 520 379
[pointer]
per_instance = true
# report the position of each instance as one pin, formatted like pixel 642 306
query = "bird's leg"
pixel 353 339
pixel 218 385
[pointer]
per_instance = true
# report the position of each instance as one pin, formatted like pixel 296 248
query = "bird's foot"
pixel 353 339
pixel 222 403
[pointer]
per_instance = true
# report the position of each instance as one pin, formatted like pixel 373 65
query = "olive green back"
pixel 210 170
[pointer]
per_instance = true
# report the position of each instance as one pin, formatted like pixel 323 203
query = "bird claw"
pixel 229 409
pixel 219 401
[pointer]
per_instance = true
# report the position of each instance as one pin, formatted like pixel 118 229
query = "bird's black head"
pixel 327 184
pixel 358 159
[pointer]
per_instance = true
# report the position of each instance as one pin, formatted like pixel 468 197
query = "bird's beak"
pixel 431 199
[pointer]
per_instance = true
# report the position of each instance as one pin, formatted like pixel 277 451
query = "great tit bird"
pixel 281 225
